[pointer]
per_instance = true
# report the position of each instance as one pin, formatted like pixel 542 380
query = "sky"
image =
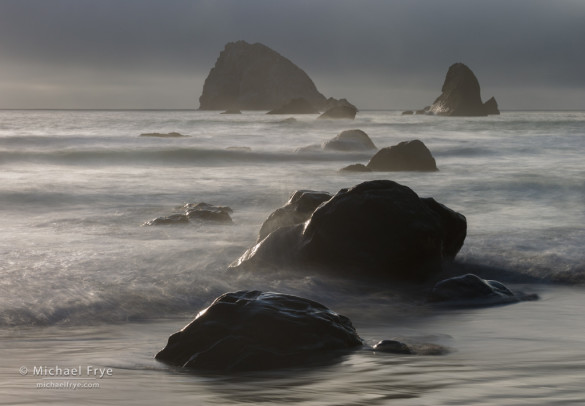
pixel 379 54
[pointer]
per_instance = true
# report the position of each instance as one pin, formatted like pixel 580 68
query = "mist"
pixel 379 55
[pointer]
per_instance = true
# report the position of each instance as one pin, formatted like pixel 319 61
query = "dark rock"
pixel 161 135
pixel 356 168
pixel 195 211
pixel 290 120
pixel 377 228
pixel 406 156
pixel 407 113
pixel 460 94
pixel 295 106
pixel 252 330
pixel 297 210
pixel 340 111
pixel 422 111
pixel 208 212
pixel 472 290
pixel 392 346
pixel 350 140
pixel 491 107
pixel 254 77
pixel 172 219
pixel 232 111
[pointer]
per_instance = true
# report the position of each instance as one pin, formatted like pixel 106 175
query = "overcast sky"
pixel 529 54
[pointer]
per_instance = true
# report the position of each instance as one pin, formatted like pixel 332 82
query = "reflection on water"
pixel 523 354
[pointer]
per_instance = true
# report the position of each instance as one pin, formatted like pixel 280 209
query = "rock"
pixel 253 330
pixel 376 229
pixel 470 289
pixel 460 94
pixel 161 135
pixel 350 140
pixel 356 168
pixel 295 106
pixel 392 346
pixel 254 77
pixel 290 120
pixel 232 111
pixel 407 113
pixel 297 210
pixel 342 110
pixel 195 211
pixel 172 219
pixel 208 212
pixel 491 107
pixel 405 156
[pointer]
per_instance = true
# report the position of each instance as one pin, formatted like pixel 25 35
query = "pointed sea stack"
pixel 461 95
pixel 254 77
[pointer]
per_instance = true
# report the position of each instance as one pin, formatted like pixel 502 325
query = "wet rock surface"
pixel 195 212
pixel 254 330
pixel 470 289
pixel 297 210
pixel 377 228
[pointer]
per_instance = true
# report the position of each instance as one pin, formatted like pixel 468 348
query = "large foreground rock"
pixel 254 77
pixel 405 156
pixel 377 228
pixel 461 95
pixel 253 330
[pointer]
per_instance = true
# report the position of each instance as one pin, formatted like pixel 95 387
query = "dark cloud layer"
pixel 379 54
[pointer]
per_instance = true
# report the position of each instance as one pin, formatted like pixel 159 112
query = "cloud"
pixel 372 52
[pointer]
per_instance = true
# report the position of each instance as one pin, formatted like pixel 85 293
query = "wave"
pixel 232 155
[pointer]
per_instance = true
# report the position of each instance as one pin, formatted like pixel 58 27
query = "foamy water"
pixel 84 283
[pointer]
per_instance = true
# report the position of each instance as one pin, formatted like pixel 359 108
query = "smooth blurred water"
pixel 83 281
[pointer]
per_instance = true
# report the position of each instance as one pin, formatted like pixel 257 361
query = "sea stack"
pixel 461 95
pixel 254 77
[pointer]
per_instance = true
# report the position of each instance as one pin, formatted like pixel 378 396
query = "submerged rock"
pixel 253 330
pixel 470 289
pixel 405 156
pixel 377 228
pixel 295 106
pixel 255 77
pixel 392 346
pixel 172 219
pixel 461 95
pixel 350 140
pixel 297 210
pixel 195 211
pixel 208 212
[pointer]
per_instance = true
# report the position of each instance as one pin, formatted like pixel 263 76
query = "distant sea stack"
pixel 461 95
pixel 254 77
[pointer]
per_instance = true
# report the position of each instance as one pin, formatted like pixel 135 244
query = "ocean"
pixel 85 286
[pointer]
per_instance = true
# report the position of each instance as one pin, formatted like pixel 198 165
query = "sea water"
pixel 85 285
